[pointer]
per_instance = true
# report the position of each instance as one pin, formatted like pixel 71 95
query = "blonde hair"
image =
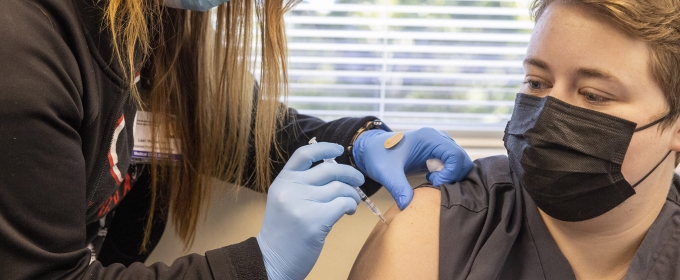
pixel 202 93
pixel 656 22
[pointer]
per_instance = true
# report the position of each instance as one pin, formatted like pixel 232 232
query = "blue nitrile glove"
pixel 410 156
pixel 302 206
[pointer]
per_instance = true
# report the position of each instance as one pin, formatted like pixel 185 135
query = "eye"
pixel 593 98
pixel 534 85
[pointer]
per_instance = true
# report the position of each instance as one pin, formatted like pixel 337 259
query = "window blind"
pixel 452 65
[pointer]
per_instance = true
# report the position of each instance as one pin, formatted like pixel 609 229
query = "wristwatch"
pixel 374 124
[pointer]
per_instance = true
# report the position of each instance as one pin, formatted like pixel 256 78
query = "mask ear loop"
pixel 664 158
pixel 650 172
pixel 652 123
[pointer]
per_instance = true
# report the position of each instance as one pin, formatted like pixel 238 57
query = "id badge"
pixel 166 149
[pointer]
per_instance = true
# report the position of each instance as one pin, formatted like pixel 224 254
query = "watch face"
pixel 380 124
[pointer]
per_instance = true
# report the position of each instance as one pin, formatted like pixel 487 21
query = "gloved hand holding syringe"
pixel 363 196
pixel 433 165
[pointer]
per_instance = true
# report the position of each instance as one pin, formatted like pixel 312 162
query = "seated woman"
pixel 588 189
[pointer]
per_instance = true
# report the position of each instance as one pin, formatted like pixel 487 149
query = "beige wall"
pixel 234 216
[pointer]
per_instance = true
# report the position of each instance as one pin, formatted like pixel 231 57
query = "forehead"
pixel 568 37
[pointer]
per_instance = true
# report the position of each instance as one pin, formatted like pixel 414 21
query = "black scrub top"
pixel 491 229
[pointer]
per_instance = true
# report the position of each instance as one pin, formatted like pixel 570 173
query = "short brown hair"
pixel 656 22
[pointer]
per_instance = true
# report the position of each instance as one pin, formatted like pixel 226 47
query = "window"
pixel 452 65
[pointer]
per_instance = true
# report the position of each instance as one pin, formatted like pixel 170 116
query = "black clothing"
pixel 491 229
pixel 126 224
pixel 66 122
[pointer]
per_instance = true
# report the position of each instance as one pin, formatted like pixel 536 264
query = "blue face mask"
pixel 194 5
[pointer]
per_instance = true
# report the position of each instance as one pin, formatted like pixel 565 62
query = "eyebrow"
pixel 536 62
pixel 597 74
pixel 581 72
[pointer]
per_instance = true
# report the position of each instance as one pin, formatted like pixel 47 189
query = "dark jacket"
pixel 504 236
pixel 65 155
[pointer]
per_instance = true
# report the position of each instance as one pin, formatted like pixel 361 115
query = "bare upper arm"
pixel 407 248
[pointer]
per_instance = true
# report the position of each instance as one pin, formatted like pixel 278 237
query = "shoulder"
pixel 489 179
pixel 39 62
pixel 407 248
pixel 656 257
pixel 488 197
pixel 674 191
pixel 431 226
pixel 29 21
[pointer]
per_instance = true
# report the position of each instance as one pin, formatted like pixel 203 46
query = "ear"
pixel 674 144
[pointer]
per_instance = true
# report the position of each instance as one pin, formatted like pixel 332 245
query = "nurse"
pixel 115 113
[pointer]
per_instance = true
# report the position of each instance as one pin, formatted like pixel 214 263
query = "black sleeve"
pixel 480 219
pixel 299 129
pixel 126 230
pixel 42 167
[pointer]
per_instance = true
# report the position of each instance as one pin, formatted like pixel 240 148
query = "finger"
pixel 457 164
pixel 333 190
pixel 337 208
pixel 400 189
pixel 446 135
pixel 455 169
pixel 303 157
pixel 328 172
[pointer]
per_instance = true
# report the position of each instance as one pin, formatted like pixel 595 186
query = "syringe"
pixel 361 193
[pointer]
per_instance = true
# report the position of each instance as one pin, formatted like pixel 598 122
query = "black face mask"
pixel 569 158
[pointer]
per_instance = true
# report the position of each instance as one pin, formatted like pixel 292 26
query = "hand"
pixel 410 156
pixel 302 206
